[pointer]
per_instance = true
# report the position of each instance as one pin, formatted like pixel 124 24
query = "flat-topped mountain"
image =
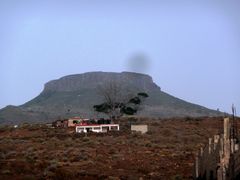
pixel 75 95
pixel 94 79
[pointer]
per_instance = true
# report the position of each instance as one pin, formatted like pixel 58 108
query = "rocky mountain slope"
pixel 75 95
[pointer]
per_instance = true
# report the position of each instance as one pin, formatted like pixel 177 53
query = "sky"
pixel 190 48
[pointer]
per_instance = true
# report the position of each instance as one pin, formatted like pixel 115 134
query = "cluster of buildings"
pixel 101 125
pixel 82 125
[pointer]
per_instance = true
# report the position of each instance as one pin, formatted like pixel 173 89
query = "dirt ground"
pixel 167 151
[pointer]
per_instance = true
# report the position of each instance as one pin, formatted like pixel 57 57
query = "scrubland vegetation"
pixel 167 151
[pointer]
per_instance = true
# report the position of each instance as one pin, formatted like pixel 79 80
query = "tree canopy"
pixel 119 108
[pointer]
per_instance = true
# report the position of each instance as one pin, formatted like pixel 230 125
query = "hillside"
pixel 75 95
pixel 167 151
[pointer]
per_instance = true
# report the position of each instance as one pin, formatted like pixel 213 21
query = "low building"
pixel 98 128
pixel 50 125
pixel 77 121
pixel 60 123
pixel 140 128
pixel 73 122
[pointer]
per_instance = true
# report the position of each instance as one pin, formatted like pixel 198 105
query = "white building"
pixel 97 128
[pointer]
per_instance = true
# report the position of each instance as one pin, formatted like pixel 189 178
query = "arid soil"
pixel 167 151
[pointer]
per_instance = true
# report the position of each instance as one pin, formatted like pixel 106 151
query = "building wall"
pixel 139 128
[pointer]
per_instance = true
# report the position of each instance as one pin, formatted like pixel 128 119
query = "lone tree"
pixel 118 100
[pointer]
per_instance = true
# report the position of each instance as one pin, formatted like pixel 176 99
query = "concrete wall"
pixel 139 128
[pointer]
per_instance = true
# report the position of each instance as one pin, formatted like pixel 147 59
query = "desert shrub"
pixel 51 168
pixel 166 132
pixel 100 157
pixel 136 134
pixel 2 155
pixel 6 128
pixel 6 172
pixel 24 125
pixel 38 140
pixel 148 144
pixel 118 156
pixel 85 139
pixel 150 133
pixel 111 151
pixel 132 120
pixel 48 174
pixel 53 165
pixel 30 158
pixel 69 143
pixel 64 174
pixel 33 127
pixel 65 159
pixel 29 177
pixel 21 167
pixel 79 157
pixel 177 177
pixel 10 154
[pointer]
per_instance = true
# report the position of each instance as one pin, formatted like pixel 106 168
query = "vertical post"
pixel 210 145
pixel 221 148
pixel 224 173
pixel 201 151
pixel 227 142
pixel 233 122
pixel 197 166
pixel 232 145
pixel 226 128
pixel 236 148
pixel 219 174
pixel 216 141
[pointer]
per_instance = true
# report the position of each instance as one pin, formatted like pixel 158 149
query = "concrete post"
pixel 197 166
pixel 226 128
pixel 201 151
pixel 232 145
pixel 236 147
pixel 210 145
pixel 220 173
pixel 221 148
pixel 227 152
pixel 224 173
pixel 227 141
pixel 216 141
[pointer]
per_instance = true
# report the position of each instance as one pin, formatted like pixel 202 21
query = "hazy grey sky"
pixel 192 48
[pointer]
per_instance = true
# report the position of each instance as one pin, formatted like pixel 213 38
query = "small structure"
pixel 97 128
pixel 60 123
pixel 73 122
pixel 49 125
pixel 86 125
pixel 140 128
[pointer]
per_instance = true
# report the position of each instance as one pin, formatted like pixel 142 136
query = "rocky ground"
pixel 167 151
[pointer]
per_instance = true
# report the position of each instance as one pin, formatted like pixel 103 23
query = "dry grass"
pixel 165 152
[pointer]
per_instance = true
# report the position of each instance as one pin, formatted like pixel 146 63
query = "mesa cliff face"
pixel 94 79
pixel 75 95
